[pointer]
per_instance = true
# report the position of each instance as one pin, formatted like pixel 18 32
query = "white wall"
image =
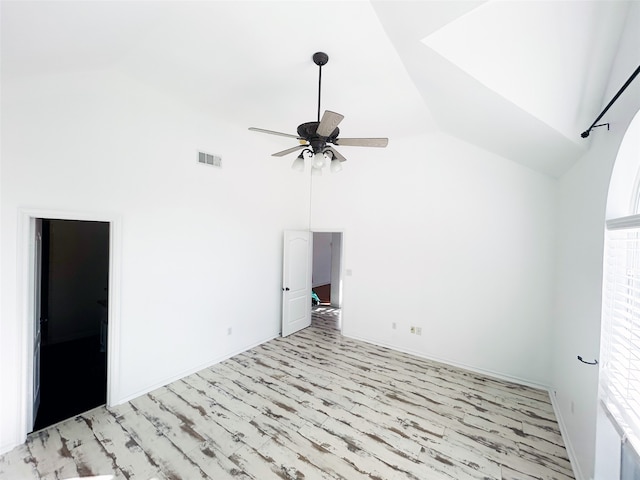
pixel 608 452
pixel 579 288
pixel 201 247
pixel 336 270
pixel 581 215
pixel 321 259
pixel 463 244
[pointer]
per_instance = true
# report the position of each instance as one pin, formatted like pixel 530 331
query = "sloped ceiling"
pixel 521 79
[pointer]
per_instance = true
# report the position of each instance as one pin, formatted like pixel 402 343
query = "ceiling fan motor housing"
pixel 317 142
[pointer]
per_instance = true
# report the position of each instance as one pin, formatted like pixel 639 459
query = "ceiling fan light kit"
pixel 298 164
pixel 336 166
pixel 315 137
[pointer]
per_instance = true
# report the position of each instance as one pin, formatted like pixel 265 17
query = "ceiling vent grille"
pixel 209 159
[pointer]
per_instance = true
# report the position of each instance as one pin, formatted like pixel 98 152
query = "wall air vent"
pixel 209 159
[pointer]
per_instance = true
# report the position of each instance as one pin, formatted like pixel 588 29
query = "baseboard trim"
pixel 577 472
pixel 190 371
pixel 7 447
pixel 446 361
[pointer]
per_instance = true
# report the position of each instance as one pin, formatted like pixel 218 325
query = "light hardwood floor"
pixel 314 405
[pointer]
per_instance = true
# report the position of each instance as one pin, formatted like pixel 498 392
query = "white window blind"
pixel 620 347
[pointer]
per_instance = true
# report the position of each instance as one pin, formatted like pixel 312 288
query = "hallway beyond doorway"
pixel 324 294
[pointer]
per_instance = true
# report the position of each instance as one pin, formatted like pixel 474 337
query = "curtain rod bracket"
pixel 585 134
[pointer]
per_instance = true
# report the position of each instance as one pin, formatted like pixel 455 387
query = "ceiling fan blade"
pixel 328 123
pixel 336 154
pixel 271 132
pixel 362 142
pixel 288 151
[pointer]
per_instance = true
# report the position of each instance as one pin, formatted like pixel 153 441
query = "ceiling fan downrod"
pixel 320 59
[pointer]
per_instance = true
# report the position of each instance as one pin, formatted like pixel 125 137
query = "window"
pixel 620 348
pixel 619 384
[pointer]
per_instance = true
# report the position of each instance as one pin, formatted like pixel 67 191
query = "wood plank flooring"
pixel 314 405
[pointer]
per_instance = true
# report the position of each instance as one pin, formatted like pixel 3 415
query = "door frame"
pixel 26 298
pixel 341 269
pixel 36 316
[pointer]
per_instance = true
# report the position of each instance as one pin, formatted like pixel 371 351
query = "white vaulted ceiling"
pixel 520 79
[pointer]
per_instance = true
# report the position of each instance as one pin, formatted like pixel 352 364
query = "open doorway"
pixel 327 271
pixel 311 259
pixel 71 271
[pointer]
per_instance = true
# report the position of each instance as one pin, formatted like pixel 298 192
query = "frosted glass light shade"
pixel 298 164
pixel 336 166
pixel 316 171
pixel 319 160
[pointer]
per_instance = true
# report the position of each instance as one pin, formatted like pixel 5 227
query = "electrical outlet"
pixel 229 331
pixel 393 325
pixel 573 407
pixel 412 329
pixel 418 330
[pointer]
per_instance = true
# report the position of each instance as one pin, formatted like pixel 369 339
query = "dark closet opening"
pixel 73 318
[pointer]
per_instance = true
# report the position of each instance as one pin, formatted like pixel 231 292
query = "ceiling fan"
pixel 317 137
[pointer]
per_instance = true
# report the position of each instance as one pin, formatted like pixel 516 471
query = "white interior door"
pixel 37 331
pixel 296 281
